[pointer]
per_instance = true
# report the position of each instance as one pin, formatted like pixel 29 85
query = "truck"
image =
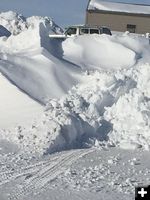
pixel 76 30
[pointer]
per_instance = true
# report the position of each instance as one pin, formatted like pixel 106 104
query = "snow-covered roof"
pixel 118 7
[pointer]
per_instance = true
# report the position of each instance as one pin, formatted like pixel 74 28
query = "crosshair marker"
pixel 142 192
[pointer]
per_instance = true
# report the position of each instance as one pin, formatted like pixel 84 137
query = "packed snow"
pixel 119 7
pixel 17 107
pixel 88 95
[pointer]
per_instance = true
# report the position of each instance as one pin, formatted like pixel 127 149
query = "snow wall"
pixel 98 93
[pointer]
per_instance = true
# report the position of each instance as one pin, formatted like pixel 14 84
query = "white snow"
pixel 98 52
pixel 87 93
pixel 27 64
pixel 118 7
pixel 16 23
pixel 45 68
pixel 16 108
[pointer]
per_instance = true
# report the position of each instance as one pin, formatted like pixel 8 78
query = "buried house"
pixel 122 17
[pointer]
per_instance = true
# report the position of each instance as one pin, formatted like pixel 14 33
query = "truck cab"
pixel 82 30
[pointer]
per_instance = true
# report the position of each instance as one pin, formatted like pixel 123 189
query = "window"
pixel 106 31
pixel 131 28
pixel 84 31
pixel 94 31
pixel 71 31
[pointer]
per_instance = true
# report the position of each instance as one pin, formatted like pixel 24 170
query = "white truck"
pixel 82 30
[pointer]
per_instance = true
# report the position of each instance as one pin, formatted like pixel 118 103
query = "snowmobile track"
pixel 12 174
pixel 41 178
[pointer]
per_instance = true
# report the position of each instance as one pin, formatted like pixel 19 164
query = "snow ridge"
pixel 101 114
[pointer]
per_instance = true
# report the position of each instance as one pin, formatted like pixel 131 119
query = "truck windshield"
pixel 71 31
pixel 105 31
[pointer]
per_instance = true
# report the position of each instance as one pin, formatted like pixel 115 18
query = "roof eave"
pixel 87 8
pixel 117 12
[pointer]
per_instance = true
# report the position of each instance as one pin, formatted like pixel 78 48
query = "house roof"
pixel 101 5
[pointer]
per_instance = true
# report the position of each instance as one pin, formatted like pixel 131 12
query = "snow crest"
pixel 16 23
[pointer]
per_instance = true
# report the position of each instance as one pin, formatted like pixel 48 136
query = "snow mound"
pixel 130 115
pixel 112 109
pixel 86 82
pixel 45 68
pixel 98 51
pixel 16 23
pixel 26 62
pixel 39 74
pixel 21 113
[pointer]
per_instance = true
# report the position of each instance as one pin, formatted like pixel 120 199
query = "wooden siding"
pixel 118 21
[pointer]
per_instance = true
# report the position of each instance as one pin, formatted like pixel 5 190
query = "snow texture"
pixel 92 87
pixel 87 95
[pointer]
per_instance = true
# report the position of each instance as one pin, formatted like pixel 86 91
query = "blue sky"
pixel 64 12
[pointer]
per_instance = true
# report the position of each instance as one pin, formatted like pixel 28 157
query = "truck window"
pixel 71 31
pixel 131 28
pixel 94 31
pixel 84 31
pixel 106 31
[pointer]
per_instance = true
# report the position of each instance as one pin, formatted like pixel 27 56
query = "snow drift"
pixel 98 51
pixel 27 63
pixel 16 108
pixel 48 68
pixel 92 86
pixel 112 109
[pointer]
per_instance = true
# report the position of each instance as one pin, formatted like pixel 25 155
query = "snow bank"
pixel 112 109
pixel 16 108
pixel 103 74
pixel 130 115
pixel 27 63
pixel 45 68
pixel 39 74
pixel 98 51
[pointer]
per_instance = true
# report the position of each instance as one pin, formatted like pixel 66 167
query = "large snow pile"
pixel 112 109
pixel 39 66
pixel 26 62
pixel 95 88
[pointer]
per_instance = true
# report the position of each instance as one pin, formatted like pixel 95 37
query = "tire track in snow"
pixel 35 183
pixel 12 174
